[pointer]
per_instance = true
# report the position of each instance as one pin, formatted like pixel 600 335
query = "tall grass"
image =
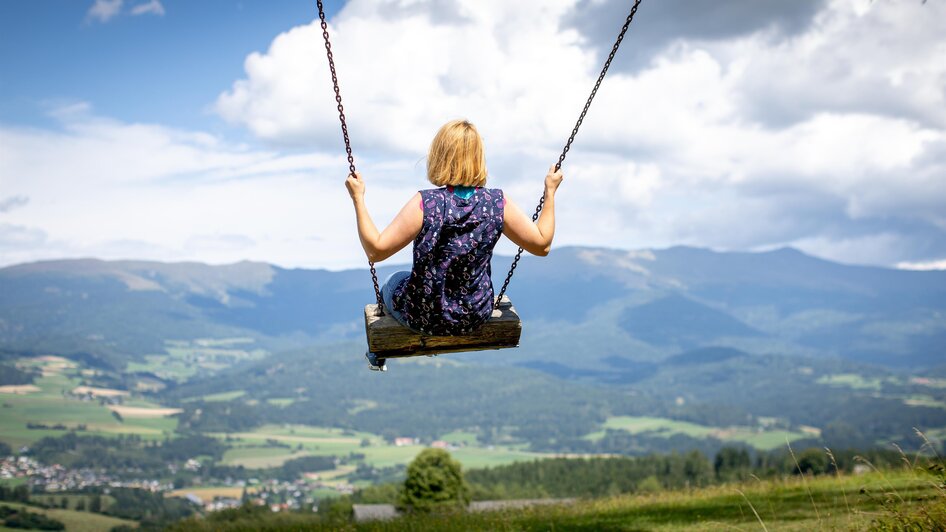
pixel 930 513
pixel 909 497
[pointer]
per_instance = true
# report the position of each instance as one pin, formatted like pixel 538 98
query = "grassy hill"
pixel 794 504
pixel 78 521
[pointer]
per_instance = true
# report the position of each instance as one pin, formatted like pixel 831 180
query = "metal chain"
pixel 571 138
pixel 341 118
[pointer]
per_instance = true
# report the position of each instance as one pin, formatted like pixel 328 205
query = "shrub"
pixel 434 481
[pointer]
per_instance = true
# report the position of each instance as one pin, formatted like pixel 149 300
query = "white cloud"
pixel 830 137
pixel 104 188
pixel 104 10
pixel 12 202
pixel 151 7
pixel 923 266
pixel 815 138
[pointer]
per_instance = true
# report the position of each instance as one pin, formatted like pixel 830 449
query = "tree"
pixel 434 481
pixel 21 493
pixel 812 461
pixel 840 435
pixel 95 505
pixel 732 463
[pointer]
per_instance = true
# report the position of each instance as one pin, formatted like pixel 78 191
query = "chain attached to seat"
pixel 571 138
pixel 341 118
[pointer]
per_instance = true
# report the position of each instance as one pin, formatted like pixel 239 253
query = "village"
pixel 278 495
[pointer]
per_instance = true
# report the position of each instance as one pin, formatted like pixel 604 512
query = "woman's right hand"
pixel 355 185
pixel 553 179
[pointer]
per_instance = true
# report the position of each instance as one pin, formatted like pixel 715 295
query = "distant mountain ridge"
pixel 581 306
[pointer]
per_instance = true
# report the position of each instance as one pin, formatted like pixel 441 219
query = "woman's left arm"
pixel 402 230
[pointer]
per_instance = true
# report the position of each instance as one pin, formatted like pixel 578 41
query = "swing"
pixel 389 339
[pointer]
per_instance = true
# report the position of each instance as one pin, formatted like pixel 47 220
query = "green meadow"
pixel 53 404
pixel 218 397
pixel 75 521
pixel 55 499
pixel 854 502
pixel 852 380
pixel 266 447
pixel 184 359
pixel 762 439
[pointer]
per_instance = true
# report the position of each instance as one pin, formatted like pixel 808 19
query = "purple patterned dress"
pixel 449 291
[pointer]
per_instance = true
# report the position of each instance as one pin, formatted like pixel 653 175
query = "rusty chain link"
pixel 341 118
pixel 571 138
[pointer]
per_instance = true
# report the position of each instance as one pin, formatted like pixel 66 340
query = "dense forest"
pixel 604 476
pixel 511 404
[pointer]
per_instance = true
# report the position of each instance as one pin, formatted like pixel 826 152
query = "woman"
pixel 454 229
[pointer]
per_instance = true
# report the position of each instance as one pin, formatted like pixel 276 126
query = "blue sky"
pixel 152 68
pixel 205 130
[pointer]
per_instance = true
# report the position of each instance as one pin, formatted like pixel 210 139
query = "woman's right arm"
pixel 536 238
pixel 404 228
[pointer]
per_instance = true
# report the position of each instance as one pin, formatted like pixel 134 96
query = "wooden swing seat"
pixel 389 339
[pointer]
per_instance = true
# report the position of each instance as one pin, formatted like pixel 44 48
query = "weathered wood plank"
pixel 389 339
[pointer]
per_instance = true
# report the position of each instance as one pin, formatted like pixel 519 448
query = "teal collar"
pixel 461 191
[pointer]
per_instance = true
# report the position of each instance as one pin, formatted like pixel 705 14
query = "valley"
pixel 249 380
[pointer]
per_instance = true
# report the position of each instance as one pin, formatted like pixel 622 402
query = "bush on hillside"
pixel 434 482
pixel 21 518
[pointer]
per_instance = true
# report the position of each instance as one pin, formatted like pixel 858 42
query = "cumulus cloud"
pixel 20 243
pixel 151 7
pixel 104 10
pixel 12 202
pixel 819 124
pixel 742 125
pixel 923 266
pixel 105 188
pixel 669 21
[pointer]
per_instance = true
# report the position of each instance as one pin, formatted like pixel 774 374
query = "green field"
pixel 72 498
pixel 250 448
pixel 184 359
pixel 53 404
pixel 459 437
pixel 639 425
pixel 222 396
pixel 923 400
pixel 253 450
pixel 74 521
pixel 260 457
pixel 852 380
pixel 281 401
pixel 764 440
pixel 361 405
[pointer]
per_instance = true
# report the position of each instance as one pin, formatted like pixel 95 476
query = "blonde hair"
pixel 457 156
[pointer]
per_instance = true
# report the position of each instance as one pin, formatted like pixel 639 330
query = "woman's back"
pixel 449 290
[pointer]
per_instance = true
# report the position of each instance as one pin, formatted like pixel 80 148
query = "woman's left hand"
pixel 356 186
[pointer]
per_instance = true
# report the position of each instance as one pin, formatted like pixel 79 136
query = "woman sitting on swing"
pixel 454 229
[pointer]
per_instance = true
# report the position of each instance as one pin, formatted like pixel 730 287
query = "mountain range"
pixel 583 309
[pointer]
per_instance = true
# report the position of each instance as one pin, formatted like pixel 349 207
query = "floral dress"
pixel 449 291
